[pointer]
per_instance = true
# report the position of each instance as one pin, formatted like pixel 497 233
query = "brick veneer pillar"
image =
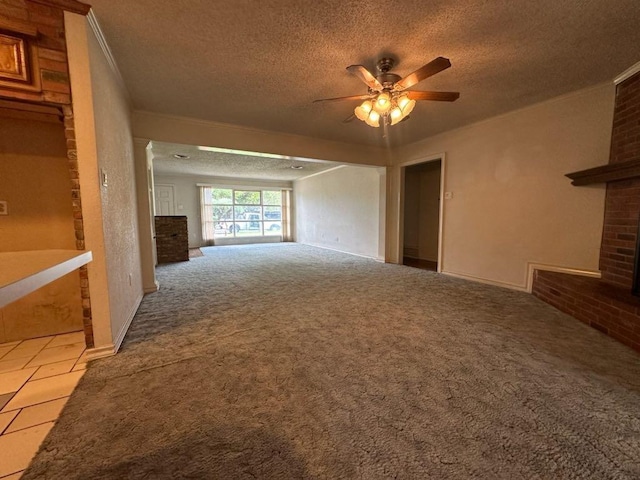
pixel 172 239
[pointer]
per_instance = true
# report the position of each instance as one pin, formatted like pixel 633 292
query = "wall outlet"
pixel 448 195
pixel 3 208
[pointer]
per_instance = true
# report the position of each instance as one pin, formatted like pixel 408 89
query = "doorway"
pixel 422 215
pixel 165 200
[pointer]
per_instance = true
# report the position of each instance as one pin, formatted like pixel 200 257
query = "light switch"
pixel 103 177
pixel 3 208
pixel 448 195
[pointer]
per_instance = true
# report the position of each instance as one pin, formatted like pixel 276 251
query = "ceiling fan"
pixel 388 99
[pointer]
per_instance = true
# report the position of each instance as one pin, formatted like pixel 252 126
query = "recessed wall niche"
pixel 34 181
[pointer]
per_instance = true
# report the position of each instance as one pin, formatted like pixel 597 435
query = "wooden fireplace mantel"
pixel 606 173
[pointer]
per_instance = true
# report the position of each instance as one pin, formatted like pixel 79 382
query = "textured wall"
pixel 339 210
pixel 114 145
pixel 103 140
pixel 511 202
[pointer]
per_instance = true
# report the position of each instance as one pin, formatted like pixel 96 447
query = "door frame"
pixel 400 232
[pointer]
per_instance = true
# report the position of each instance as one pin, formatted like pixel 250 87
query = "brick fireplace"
pixel 610 304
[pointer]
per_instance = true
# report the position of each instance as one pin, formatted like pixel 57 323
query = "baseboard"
pixel 152 289
pixel 100 352
pixel 531 267
pixel 510 286
pixel 125 327
pixel 341 251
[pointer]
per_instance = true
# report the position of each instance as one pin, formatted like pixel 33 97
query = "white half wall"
pixel 340 209
pixel 511 202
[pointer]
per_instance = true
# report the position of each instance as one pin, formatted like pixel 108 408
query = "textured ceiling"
pixel 225 164
pixel 262 63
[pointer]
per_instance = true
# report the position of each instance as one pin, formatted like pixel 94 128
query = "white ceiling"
pixel 261 63
pixel 219 163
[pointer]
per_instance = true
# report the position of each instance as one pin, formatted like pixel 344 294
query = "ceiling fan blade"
pixel 436 96
pixel 352 97
pixel 366 76
pixel 426 71
pixel 349 118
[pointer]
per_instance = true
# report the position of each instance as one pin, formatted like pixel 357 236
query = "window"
pixel 227 212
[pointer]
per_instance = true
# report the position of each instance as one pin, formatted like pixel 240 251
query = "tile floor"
pixel 37 377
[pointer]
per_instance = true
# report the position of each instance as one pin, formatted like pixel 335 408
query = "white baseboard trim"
pixel 511 286
pixel 554 268
pixel 100 352
pixel 127 324
pixel 112 348
pixel 152 289
pixel 376 258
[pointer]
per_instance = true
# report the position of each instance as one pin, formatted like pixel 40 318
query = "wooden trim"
pixel 16 26
pixel 30 107
pixel 606 173
pixel 532 267
pixel 68 5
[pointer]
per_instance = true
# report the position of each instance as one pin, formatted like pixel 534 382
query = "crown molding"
pixel 68 5
pixel 95 26
pixel 629 72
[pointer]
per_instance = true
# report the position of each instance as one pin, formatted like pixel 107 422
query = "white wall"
pixel 105 144
pixel 187 196
pixel 340 209
pixel 511 202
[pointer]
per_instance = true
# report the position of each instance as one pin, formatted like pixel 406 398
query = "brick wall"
pixel 622 205
pixel 605 307
pixel 55 90
pixel 172 239
pixel 607 304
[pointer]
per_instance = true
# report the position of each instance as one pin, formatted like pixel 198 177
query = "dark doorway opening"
pixel 421 225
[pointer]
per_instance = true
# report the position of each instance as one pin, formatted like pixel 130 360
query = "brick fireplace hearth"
pixel 608 304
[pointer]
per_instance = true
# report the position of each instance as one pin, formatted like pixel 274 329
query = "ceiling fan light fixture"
pixel 388 99
pixel 373 120
pixel 396 115
pixel 408 107
pixel 383 103
pixel 362 111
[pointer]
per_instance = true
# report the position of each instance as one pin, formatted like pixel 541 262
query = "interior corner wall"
pixel 105 146
pixel 512 203
pixel 340 209
pixel 114 144
pixel 187 196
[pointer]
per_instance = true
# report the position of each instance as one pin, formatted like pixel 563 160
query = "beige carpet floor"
pixel 286 361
